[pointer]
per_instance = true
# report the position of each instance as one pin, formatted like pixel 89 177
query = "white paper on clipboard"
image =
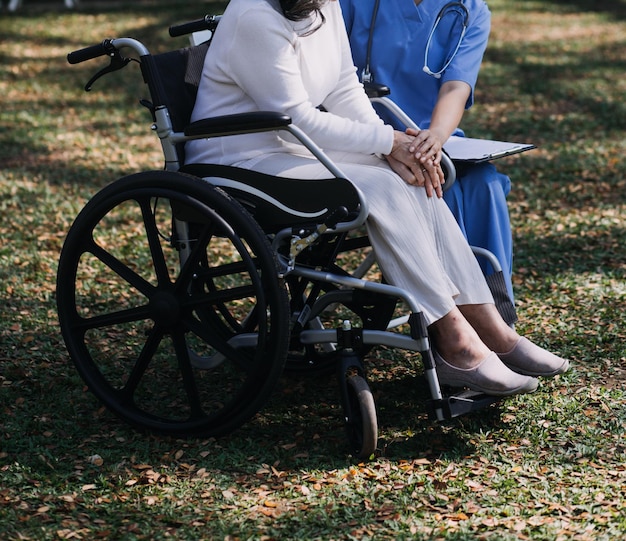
pixel 467 149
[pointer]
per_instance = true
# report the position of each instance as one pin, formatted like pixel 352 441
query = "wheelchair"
pixel 184 294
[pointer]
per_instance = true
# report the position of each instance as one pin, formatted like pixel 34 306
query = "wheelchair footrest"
pixel 458 404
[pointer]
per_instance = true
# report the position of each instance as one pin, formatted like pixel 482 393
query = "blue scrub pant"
pixel 478 201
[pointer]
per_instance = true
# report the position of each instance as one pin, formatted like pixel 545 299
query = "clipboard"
pixel 468 149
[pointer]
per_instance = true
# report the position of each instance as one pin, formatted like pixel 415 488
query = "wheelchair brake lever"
pixel 117 63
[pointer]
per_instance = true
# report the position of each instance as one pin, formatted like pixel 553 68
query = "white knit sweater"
pixel 260 61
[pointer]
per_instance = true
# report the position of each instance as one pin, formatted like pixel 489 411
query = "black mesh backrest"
pixel 179 73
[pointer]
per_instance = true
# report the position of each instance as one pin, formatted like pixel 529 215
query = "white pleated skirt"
pixel 416 240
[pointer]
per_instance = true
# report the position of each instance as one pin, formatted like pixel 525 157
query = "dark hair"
pixel 298 10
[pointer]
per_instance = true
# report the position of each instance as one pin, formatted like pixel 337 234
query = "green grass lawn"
pixel 544 466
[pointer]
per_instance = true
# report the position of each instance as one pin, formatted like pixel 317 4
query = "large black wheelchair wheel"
pixel 170 305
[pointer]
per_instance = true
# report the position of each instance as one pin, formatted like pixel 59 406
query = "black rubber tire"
pixel 183 349
pixel 362 427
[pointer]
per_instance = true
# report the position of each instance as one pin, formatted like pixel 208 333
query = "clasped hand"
pixel 416 157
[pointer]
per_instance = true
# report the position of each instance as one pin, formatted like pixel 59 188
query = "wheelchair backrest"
pixel 178 73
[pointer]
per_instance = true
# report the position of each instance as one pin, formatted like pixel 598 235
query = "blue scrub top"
pixel 399 42
pixel 401 31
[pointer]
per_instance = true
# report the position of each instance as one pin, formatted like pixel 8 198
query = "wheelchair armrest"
pixel 376 90
pixel 237 123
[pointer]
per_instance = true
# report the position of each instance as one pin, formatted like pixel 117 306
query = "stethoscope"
pixel 452 7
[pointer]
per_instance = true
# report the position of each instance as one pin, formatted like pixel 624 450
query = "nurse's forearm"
pixel 449 109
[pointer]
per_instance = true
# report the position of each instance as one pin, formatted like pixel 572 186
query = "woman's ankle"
pixel 457 342
pixel 489 325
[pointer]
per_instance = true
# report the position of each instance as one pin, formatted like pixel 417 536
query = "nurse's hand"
pixel 426 146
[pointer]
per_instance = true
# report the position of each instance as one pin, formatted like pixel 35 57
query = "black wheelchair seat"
pixel 278 202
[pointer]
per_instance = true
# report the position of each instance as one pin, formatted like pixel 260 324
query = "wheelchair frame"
pixel 255 343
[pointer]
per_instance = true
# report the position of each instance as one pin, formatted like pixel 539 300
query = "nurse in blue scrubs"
pixel 429 52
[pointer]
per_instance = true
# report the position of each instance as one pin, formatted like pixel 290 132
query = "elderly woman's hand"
pixel 403 161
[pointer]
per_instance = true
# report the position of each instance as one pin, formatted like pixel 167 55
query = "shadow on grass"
pixel 576 252
pixel 51 412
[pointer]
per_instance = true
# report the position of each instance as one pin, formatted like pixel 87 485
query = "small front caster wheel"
pixel 361 421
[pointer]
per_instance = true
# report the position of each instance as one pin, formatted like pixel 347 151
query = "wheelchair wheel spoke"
pixel 152 233
pixel 241 358
pixel 140 366
pixel 188 378
pixel 198 253
pixel 222 297
pixel 121 269
pixel 113 318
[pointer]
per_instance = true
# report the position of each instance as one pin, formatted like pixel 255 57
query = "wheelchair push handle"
pixel 208 22
pixel 110 48
pixel 88 53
